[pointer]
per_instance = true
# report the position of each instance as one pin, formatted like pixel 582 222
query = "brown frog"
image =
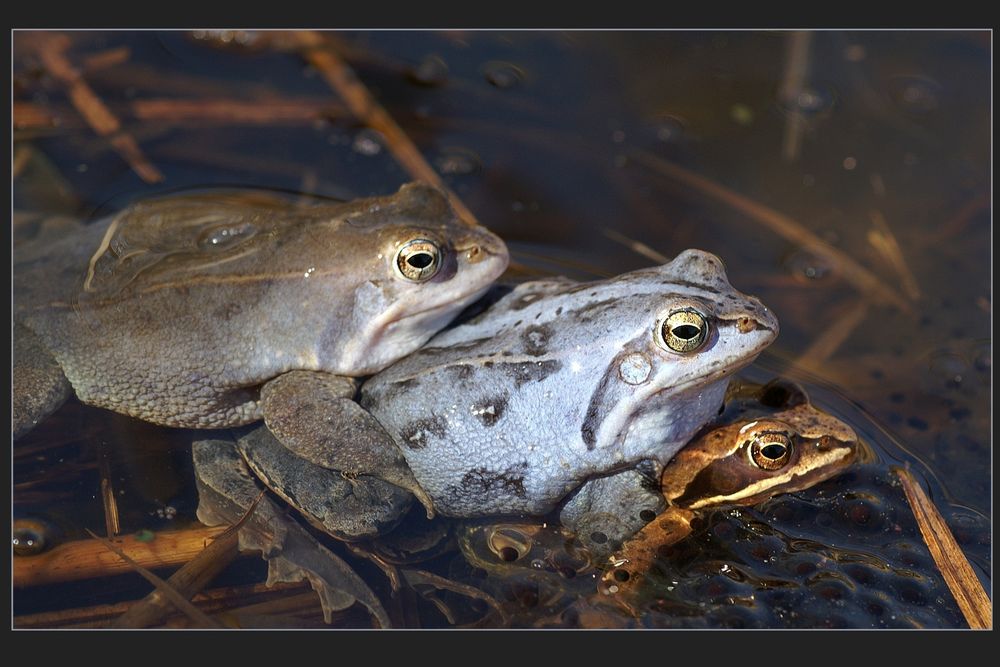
pixel 743 463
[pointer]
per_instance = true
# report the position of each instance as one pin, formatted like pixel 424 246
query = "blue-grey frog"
pixel 556 387
pixel 178 310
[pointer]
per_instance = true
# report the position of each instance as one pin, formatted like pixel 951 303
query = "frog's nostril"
pixel 746 324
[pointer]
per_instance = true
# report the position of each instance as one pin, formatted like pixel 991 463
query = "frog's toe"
pixel 314 416
pixel 37 382
pixel 348 507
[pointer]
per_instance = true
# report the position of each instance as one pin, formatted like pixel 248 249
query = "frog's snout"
pixel 489 248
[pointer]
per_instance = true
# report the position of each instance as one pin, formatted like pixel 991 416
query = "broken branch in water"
pixel 178 600
pixel 191 578
pixel 954 566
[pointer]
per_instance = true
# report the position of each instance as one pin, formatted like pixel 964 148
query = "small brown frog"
pixel 743 463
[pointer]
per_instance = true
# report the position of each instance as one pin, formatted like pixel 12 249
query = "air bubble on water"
pixel 458 161
pixel 431 71
pixel 503 74
pixel 668 128
pixel 915 94
pixel 367 142
pixel 854 53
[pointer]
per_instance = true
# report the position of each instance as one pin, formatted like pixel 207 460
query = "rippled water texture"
pixel 841 176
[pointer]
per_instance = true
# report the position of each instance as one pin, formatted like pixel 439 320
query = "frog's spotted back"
pixel 560 381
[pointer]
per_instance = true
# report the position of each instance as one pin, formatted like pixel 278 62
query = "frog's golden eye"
pixel 770 450
pixel 684 330
pixel 418 260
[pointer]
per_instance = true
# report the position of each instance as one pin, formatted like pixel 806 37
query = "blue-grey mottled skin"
pixel 178 309
pixel 510 412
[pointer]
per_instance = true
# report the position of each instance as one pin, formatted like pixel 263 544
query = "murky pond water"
pixel 843 177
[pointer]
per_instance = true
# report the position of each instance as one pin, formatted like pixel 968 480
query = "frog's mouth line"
pixel 460 301
pixel 653 401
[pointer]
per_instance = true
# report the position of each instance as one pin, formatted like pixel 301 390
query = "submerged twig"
pixel 792 85
pixel 833 336
pixel 636 246
pixel 954 566
pixel 779 223
pixel 884 241
pixel 111 57
pixel 31 116
pixel 367 109
pixel 51 50
pixel 956 223
pixel 190 578
pixel 84 559
pixel 112 523
pixel 231 111
pixel 211 601
pixel 163 587
pixel 22 156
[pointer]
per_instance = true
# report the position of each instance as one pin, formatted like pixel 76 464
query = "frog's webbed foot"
pixel 314 415
pixel 605 511
pixel 627 569
pixel 226 489
pixel 344 505
pixel 38 385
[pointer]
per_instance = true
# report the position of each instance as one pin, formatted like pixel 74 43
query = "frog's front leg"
pixel 348 509
pixel 628 567
pixel 314 415
pixel 38 385
pixel 605 511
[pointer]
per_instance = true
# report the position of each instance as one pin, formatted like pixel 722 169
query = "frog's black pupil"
pixel 686 331
pixel 621 575
pixel 420 260
pixel 773 452
pixel 508 554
